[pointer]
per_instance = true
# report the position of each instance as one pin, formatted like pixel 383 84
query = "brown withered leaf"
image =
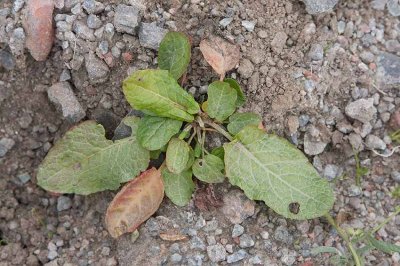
pixel 220 54
pixel 135 203
pixel 172 236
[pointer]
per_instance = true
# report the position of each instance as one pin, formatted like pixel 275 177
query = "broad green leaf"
pixel 85 162
pixel 270 169
pixel 191 159
pixel 154 155
pixel 154 132
pixel 382 245
pixel 174 53
pixel 178 187
pixel 177 157
pixel 221 100
pixel 241 98
pixel 209 169
pixel 219 152
pixel 239 120
pixel 156 92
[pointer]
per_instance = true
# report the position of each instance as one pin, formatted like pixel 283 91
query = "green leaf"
pixel 270 169
pixel 221 100
pixel 396 193
pixel 156 92
pixel 154 155
pixel 191 159
pixel 241 98
pixel 382 245
pixel 209 169
pixel 219 152
pixel 178 187
pixel 174 53
pixel 197 150
pixel 324 249
pixel 177 157
pixel 85 162
pixel 239 120
pixel 154 132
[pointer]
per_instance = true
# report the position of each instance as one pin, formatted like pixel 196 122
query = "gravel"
pixel 315 7
pixel 93 22
pixel 63 203
pixel 62 95
pixel 245 241
pixel 238 230
pixel 316 52
pixel 150 35
pixel 388 69
pixel 374 142
pixel 237 256
pixel 246 68
pixel 97 70
pixel 6 60
pixel 248 25
pixel 126 19
pixel 237 207
pixel 362 110
pixel 6 144
pixel 395 176
pixel 216 253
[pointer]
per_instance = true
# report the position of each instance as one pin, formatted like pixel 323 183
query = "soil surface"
pixel 327 82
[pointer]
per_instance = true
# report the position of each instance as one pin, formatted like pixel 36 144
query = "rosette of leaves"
pixel 265 166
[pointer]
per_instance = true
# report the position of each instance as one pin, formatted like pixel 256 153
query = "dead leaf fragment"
pixel 135 203
pixel 172 236
pixel 220 54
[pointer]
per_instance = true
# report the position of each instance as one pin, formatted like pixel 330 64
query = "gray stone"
pixel 63 203
pixel 63 26
pixel 97 70
pixel 93 22
pixel 367 57
pixel 52 254
pixel 103 47
pixel 393 7
pixel 176 258
pixel 392 46
pixel 18 4
pixel 24 178
pixel 62 95
pixel 288 256
pixel 332 171
pixel 116 52
pixel 7 60
pixel 216 253
pixel 238 230
pixel 388 69
pixel 279 41
pixel 225 22
pixel 354 191
pixel 65 75
pixel 237 207
pixel 237 256
pixel 245 241
pixel 150 35
pixel 313 146
pixel 379 4
pixel 374 142
pixel 126 19
pixel 248 25
pixel 17 41
pixel 362 110
pixel 6 144
pixel 356 142
pixel 315 7
pixel 93 7
pixel 281 234
pixel 77 9
pixel 83 31
pixel 395 176
pixel 197 243
pixel 246 68
pixel 341 26
pixel 316 52
pixel 256 260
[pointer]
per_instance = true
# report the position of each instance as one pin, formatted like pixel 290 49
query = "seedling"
pixel 265 166
pixel 360 170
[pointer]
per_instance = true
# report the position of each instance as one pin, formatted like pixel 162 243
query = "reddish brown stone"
pixel 395 120
pixel 38 25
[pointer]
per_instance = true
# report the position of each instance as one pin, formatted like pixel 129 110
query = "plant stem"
pixel 219 129
pixel 345 237
pixel 382 224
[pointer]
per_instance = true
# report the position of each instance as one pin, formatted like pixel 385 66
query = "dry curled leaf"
pixel 220 54
pixel 172 236
pixel 135 203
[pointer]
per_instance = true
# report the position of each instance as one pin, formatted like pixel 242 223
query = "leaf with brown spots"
pixel 220 54
pixel 135 203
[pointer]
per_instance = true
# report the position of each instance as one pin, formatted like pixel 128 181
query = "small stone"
pixel 256 260
pixel 379 4
pixel 354 191
pixel 237 256
pixel 316 52
pixel 264 235
pixel 248 25
pixel 395 176
pixel 6 144
pixel 246 68
pixel 374 142
pixel 18 4
pixel 83 31
pixel 176 258
pixel 197 243
pixel 313 146
pixel 6 60
pixel 77 9
pixel 63 203
pixel 52 255
pixel 263 34
pixel 97 70
pixel 356 142
pixel 93 7
pixel 116 52
pixel 93 22
pixel 62 95
pixel 237 207
pixel 103 47
pixel 362 110
pixel 393 7
pixel 126 19
pixel 282 235
pixel 367 57
pixel 238 230
pixel 225 22
pixel 288 257
pixel 24 178
pixel 216 253
pixel 38 25
pixel 17 42
pixel 65 75
pixel 150 35
pixel 314 7
pixel 245 241
pixel 388 69
pixel 279 42
pixel 332 171
pixel 341 25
